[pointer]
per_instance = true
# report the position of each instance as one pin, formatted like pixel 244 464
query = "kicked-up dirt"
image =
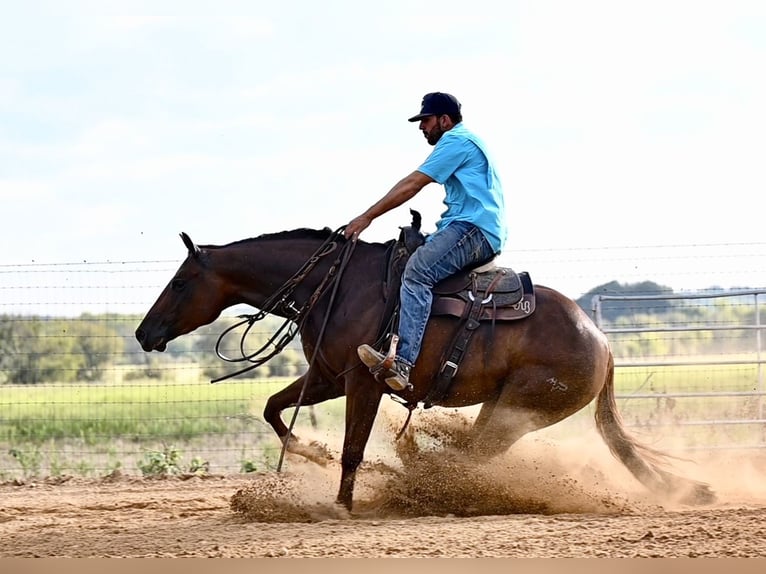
pixel 542 499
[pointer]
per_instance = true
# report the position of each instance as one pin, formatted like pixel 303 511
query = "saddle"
pixel 475 296
pixel 487 293
pixel 496 294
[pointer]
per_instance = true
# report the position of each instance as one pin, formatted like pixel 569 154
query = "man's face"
pixel 433 127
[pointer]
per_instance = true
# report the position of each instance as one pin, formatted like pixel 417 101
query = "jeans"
pixel 445 252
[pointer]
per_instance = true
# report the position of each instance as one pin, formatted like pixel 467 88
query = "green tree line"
pixel 668 314
pixel 39 349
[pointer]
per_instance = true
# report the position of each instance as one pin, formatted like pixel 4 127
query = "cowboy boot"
pixel 394 372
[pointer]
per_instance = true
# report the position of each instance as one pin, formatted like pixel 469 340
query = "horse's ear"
pixel 193 249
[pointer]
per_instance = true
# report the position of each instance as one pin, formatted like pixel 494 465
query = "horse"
pixel 526 374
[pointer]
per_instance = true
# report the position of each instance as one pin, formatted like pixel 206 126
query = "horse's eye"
pixel 177 284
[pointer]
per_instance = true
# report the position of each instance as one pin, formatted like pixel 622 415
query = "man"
pixel 471 230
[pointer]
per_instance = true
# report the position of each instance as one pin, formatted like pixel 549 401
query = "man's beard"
pixel 434 135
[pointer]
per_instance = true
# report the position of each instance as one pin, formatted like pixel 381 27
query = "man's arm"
pixel 403 191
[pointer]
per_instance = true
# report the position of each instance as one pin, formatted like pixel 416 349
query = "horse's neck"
pixel 255 270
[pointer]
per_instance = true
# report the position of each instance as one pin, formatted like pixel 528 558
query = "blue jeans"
pixel 445 252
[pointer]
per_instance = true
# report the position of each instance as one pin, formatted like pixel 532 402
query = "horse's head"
pixel 193 298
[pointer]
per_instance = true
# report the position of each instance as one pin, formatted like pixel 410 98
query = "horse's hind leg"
pixel 317 390
pixel 499 426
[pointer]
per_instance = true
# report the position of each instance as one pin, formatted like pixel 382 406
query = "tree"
pixel 30 354
pixel 96 343
pixel 613 310
pixel 44 349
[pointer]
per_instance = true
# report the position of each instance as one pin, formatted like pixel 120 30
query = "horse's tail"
pixel 643 462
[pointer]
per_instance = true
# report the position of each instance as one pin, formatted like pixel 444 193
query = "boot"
pixel 395 372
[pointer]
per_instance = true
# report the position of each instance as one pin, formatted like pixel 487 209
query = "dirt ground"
pixel 563 498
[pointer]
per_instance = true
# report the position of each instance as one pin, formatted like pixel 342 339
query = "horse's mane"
pixel 302 233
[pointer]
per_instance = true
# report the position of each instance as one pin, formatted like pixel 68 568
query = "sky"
pixel 630 136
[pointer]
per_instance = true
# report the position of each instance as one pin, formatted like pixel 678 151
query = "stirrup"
pixel 380 362
pixel 384 367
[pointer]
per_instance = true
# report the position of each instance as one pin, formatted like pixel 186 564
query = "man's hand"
pixel 397 195
pixel 356 226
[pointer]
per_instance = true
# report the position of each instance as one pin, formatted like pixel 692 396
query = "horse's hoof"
pixel 342 512
pixel 314 452
pixel 700 495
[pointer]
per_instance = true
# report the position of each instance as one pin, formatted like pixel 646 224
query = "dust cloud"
pixel 425 474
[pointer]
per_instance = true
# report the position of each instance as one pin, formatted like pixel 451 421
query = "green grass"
pixel 686 378
pixel 136 411
pixel 90 429
pixel 150 410
pixel 139 411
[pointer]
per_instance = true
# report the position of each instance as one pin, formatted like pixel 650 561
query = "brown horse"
pixel 528 374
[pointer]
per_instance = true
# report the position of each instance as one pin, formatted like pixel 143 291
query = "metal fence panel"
pixel 703 400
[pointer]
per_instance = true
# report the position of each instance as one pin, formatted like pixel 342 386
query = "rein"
pixel 282 301
pixel 348 249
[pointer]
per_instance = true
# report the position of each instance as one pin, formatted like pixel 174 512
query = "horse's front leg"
pixel 318 390
pixel 362 401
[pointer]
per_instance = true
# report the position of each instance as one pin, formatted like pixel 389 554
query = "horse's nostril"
pixel 140 335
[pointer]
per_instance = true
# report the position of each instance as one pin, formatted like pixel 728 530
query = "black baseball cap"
pixel 437 104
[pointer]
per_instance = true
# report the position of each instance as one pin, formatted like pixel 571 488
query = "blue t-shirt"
pixel 473 192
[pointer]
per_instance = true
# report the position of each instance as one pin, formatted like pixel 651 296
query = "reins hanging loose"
pixel 342 261
pixel 281 302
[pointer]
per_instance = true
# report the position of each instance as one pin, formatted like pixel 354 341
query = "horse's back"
pixel 560 326
pixel 557 325
pixel 556 359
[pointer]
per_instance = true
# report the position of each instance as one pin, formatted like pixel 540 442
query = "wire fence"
pixel 135 414
pixel 79 397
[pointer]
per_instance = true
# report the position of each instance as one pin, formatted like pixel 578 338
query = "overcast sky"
pixel 614 124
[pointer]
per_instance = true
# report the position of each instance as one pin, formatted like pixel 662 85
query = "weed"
pixel 160 463
pixel 83 468
pixel 199 466
pixel 168 461
pixel 56 466
pixel 29 461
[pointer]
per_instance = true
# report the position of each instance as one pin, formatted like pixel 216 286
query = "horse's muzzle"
pixel 148 345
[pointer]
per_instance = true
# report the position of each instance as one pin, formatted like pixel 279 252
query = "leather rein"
pixel 282 303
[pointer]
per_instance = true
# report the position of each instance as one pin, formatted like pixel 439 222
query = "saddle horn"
pixel 416 219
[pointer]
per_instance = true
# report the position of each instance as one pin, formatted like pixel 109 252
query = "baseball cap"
pixel 437 104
